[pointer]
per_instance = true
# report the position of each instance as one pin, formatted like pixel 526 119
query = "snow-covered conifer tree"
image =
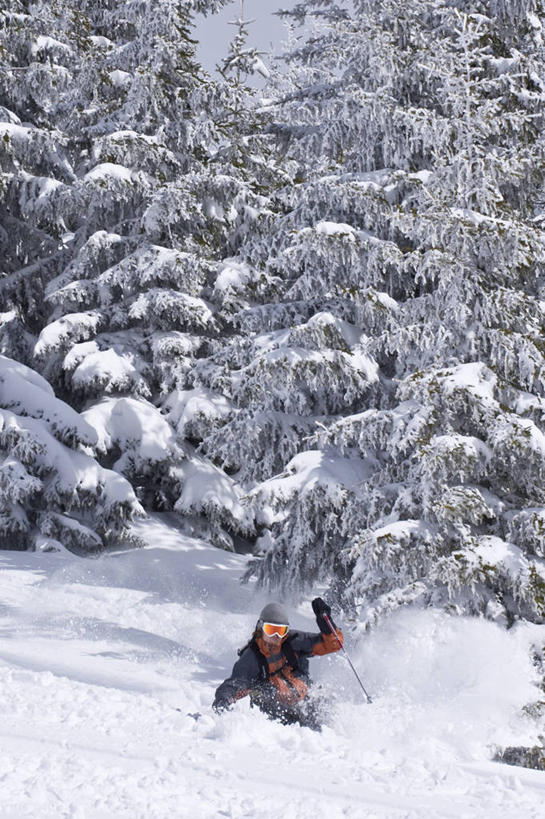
pixel 168 176
pixel 409 269
pixel 131 289
pixel 116 311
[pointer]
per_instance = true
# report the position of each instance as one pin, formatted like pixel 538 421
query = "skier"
pixel 273 666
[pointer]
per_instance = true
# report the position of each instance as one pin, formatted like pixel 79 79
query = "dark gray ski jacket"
pixel 285 667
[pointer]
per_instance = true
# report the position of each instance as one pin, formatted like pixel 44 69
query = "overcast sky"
pixel 214 33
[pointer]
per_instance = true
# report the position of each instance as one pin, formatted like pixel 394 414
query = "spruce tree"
pixel 166 177
pixel 412 256
pixel 111 309
pixel 239 185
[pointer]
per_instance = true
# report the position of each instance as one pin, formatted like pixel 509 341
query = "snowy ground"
pixel 96 655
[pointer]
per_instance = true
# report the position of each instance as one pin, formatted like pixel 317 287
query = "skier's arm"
pixel 313 645
pixel 243 678
pixel 328 643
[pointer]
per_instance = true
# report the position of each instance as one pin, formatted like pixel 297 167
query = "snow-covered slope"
pixel 97 655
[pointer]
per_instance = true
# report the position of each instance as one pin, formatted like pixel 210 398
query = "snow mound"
pixel 25 392
pixel 312 468
pixel 131 424
pixel 109 170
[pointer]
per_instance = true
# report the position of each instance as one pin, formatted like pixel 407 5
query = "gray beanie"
pixel 274 613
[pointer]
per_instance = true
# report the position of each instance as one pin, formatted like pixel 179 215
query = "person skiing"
pixel 273 666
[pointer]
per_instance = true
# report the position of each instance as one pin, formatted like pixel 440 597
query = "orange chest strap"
pixel 276 663
pixel 291 689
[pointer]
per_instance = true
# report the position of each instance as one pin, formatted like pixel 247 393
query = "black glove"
pixel 320 608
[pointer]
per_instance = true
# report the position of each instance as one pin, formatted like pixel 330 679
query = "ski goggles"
pixel 275 629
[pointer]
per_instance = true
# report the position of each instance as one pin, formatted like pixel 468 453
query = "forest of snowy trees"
pixel 307 318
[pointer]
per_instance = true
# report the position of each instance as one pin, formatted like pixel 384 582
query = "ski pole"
pixel 330 624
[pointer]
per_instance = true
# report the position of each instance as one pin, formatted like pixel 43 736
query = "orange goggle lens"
pixel 272 629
